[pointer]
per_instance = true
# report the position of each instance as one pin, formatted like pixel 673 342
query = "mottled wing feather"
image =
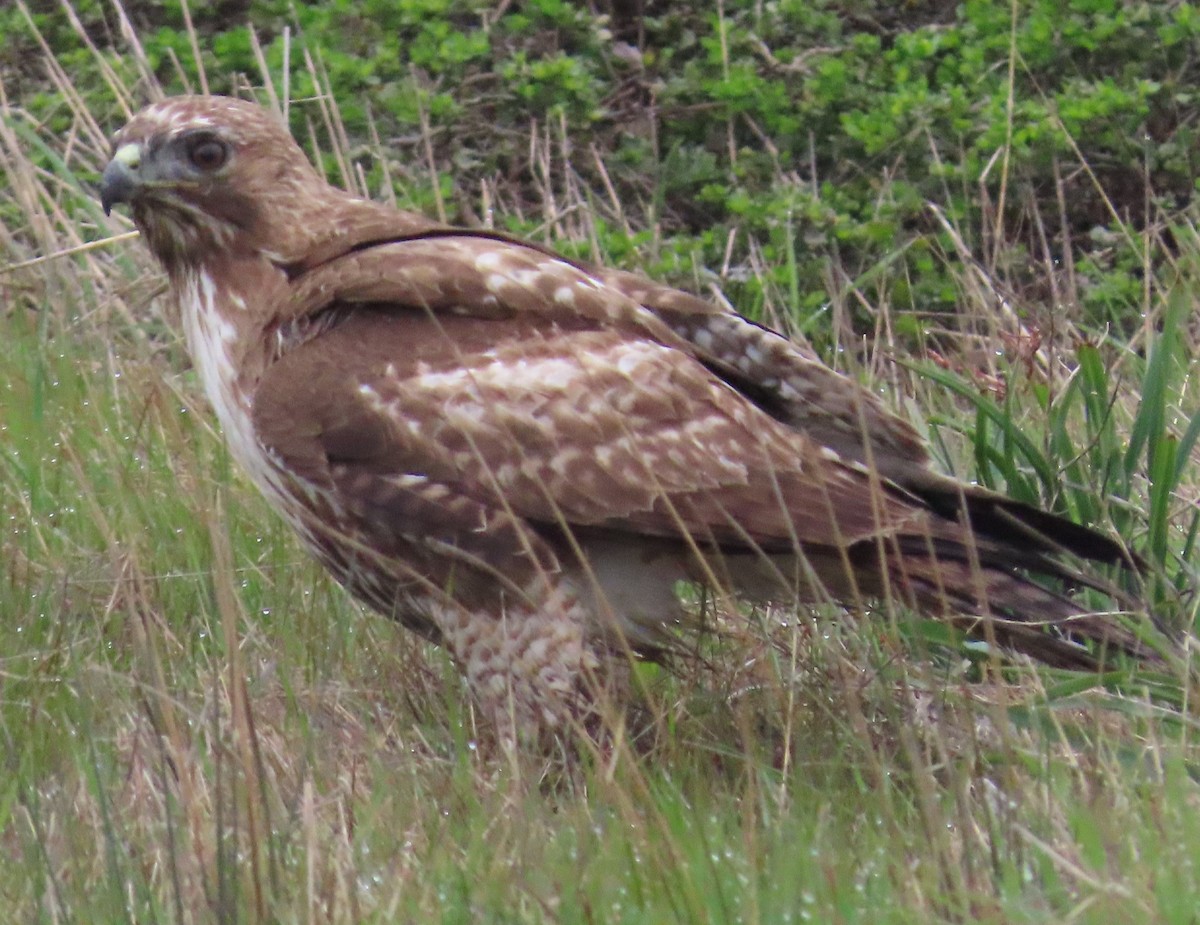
pixel 491 276
pixel 560 424
pixel 471 277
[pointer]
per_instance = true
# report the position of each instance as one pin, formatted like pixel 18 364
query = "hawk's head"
pixel 208 174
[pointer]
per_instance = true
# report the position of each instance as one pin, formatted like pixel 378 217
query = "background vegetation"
pixel 982 210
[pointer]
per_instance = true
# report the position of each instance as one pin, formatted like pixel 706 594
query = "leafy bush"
pixel 813 135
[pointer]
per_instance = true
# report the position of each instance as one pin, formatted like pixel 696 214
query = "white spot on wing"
pixel 488 261
pixel 528 278
pixel 632 355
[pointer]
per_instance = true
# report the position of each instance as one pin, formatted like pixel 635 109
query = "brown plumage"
pixel 518 456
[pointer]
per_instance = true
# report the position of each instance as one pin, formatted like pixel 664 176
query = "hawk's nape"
pixel 520 456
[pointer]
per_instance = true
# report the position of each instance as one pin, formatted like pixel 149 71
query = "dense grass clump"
pixel 981 211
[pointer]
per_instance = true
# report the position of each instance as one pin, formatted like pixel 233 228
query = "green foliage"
pixel 773 125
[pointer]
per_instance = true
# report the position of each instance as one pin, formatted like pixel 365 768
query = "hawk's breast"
pixel 213 320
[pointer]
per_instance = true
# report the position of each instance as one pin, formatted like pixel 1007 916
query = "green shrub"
pixel 814 134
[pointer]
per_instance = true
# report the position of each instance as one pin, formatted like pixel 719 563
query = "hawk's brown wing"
pixel 487 275
pixel 478 381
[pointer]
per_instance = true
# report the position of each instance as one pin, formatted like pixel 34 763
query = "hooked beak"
pixel 120 181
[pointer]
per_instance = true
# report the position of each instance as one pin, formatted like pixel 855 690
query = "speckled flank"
pixel 527 666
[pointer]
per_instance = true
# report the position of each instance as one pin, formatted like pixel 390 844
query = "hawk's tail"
pixel 1015 524
pixel 1010 608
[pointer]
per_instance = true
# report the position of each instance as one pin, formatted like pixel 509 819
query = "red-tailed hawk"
pixel 520 456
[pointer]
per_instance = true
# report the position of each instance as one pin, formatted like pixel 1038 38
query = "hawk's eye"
pixel 207 153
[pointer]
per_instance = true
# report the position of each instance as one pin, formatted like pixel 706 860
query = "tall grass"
pixel 197 726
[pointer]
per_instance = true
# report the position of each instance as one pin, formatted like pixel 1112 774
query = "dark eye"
pixel 207 153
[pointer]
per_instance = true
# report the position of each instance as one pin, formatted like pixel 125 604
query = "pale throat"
pixel 224 334
pixel 217 325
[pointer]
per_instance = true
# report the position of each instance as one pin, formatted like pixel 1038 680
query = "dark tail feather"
pixel 1017 524
pixel 992 602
